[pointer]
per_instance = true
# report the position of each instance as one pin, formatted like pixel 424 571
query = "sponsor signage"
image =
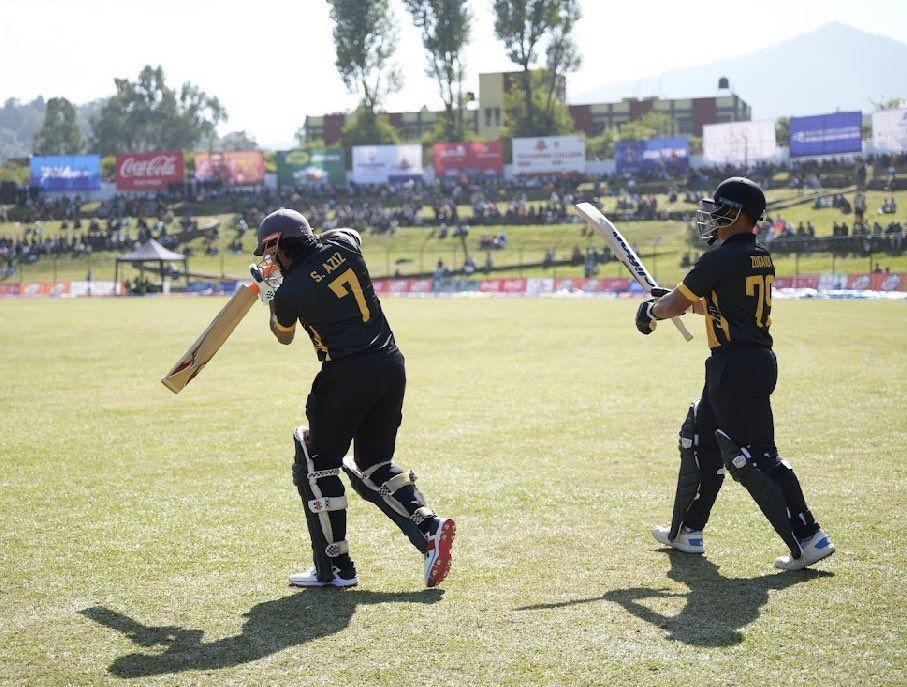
pixel 549 155
pixel 66 172
pixel 655 154
pixel 826 134
pixel 311 166
pixel 387 164
pixel 889 131
pixel 233 168
pixel 149 171
pixel 472 159
pixel 739 141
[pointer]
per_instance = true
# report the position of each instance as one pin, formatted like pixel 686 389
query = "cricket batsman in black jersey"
pixel 730 429
pixel 322 283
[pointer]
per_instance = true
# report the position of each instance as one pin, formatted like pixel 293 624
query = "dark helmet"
pixel 282 224
pixel 733 196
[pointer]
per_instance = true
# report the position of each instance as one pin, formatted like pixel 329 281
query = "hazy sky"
pixel 271 62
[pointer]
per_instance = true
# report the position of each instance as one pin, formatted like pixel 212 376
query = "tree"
pixel 650 125
pixel 445 32
pixel 364 39
pixel 368 128
pixel 237 140
pixel 889 103
pixel 146 115
pixel 60 133
pixel 521 25
pixel 562 55
pixel 782 130
pixel 549 119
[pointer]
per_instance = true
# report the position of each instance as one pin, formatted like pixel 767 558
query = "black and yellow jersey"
pixel 735 279
pixel 330 293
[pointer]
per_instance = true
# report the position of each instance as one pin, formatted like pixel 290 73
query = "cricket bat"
pixel 623 252
pixel 210 341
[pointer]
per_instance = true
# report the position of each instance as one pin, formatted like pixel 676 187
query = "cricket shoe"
pixel 345 577
pixel 687 540
pixel 437 555
pixel 815 548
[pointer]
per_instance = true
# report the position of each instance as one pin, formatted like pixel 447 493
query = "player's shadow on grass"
pixel 717 608
pixel 271 626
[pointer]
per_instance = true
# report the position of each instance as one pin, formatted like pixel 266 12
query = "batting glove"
pixel 645 320
pixel 265 290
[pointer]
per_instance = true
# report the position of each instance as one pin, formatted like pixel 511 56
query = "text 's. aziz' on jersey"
pixel 331 295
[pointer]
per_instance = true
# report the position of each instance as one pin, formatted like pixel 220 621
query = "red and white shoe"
pixel 437 555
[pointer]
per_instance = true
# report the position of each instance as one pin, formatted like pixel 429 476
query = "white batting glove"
pixel 265 290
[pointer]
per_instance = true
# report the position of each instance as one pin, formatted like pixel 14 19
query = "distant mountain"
pixel 834 67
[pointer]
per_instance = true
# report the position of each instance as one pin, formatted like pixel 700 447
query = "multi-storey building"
pixel 688 115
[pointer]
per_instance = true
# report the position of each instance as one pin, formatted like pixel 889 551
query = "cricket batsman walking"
pixel 730 429
pixel 322 283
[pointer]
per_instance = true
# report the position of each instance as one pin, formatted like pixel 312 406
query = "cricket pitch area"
pixel 147 538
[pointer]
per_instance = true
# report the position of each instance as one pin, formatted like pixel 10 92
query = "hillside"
pixel 833 67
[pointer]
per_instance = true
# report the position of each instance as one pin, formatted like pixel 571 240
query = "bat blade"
pixel 623 252
pixel 210 340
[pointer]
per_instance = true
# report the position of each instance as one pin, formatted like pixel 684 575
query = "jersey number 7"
pixel 761 288
pixel 349 280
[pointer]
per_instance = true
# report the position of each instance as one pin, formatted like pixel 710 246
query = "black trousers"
pixel 357 400
pixel 736 398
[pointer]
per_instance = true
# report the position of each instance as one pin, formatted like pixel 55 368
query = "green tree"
pixel 542 118
pixel 889 103
pixel 782 130
pixel 237 140
pixel 521 25
pixel 650 125
pixel 562 55
pixel 602 146
pixel 445 28
pixel 365 37
pixel 147 115
pixel 60 133
pixel 367 127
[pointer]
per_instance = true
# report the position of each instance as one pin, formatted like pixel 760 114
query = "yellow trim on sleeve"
pixel 279 327
pixel 685 290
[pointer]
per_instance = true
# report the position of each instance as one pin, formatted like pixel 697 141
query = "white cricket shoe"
pixel 688 541
pixel 437 555
pixel 309 578
pixel 815 548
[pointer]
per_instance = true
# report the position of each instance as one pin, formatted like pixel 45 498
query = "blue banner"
pixel 66 172
pixel 826 134
pixel 668 154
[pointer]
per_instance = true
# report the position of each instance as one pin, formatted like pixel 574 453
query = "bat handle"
pixel 682 328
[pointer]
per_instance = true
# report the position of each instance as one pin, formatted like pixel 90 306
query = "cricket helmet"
pixel 281 224
pixel 733 196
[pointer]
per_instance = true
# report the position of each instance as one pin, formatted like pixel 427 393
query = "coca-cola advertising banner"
pixel 233 168
pixel 149 171
pixel 472 159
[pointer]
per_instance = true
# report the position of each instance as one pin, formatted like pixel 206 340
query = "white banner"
pixel 389 163
pixel 889 131
pixel 549 155
pixel 739 141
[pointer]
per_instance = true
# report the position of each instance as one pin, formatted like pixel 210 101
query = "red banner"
pixel 472 159
pixel 877 281
pixel 806 281
pixel 149 171
pixel 233 168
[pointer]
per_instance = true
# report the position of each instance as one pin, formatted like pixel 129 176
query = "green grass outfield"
pixel 145 538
